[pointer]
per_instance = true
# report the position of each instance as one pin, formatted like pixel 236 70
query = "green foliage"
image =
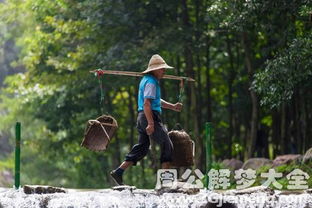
pixel 58 42
pixel 237 149
pixel 290 70
pixel 7 164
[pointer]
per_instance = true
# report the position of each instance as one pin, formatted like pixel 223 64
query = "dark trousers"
pixel 160 135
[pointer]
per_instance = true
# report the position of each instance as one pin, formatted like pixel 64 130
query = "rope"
pixel 99 74
pixel 181 93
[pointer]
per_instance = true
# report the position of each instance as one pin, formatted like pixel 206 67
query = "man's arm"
pixel 149 116
pixel 176 107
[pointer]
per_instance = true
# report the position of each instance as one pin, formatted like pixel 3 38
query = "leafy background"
pixel 251 61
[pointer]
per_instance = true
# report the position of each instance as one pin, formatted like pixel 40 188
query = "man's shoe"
pixel 117 178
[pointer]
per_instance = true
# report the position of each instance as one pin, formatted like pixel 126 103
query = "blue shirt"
pixel 149 88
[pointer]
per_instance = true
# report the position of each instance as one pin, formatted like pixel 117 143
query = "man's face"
pixel 159 73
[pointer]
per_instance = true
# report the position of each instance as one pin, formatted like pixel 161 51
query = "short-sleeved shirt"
pixel 149 88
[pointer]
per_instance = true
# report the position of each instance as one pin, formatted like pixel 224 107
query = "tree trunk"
pixel 254 98
pixel 178 88
pixel 131 121
pixel 208 87
pixel 283 129
pixel 302 121
pixel 308 118
pixel 199 100
pixel 116 158
pixel 191 92
pixel 237 132
pixel 237 121
pixel 208 81
pixel 276 131
pixel 230 86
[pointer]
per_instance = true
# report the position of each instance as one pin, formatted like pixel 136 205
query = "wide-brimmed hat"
pixel 156 62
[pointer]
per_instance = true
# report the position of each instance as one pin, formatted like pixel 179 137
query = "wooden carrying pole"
pixel 139 74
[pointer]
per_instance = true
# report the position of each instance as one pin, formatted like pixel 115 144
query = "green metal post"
pixel 17 154
pixel 208 129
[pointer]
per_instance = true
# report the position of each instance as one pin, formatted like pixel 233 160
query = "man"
pixel 149 123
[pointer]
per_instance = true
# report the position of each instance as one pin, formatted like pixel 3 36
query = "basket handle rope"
pixel 181 93
pixel 99 74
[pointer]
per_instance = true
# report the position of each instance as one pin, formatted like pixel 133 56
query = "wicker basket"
pixel 183 149
pixel 109 123
pixel 99 132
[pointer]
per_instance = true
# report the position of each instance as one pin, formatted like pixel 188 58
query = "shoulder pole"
pixel 138 74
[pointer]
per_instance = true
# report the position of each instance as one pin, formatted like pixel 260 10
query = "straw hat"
pixel 155 63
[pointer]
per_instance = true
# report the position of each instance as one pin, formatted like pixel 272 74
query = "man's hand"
pixel 149 116
pixel 177 107
pixel 150 129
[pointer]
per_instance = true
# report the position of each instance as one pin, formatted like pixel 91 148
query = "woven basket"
pixel 109 123
pixel 99 132
pixel 183 149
